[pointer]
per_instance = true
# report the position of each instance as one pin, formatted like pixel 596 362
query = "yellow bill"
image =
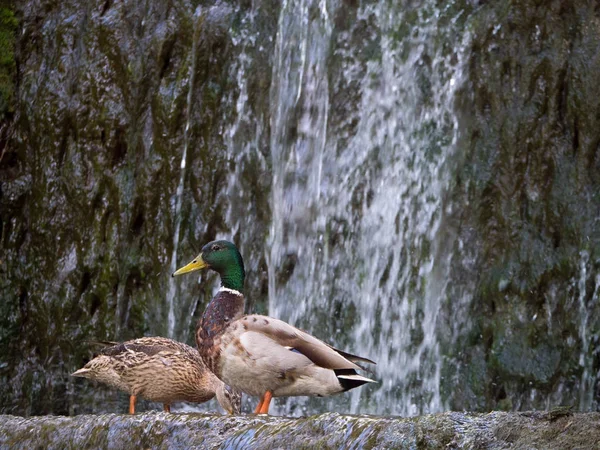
pixel 197 264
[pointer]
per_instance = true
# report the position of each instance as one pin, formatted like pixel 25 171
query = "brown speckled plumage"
pixel 160 370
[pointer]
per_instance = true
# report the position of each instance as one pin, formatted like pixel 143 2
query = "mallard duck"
pixel 259 355
pixel 160 370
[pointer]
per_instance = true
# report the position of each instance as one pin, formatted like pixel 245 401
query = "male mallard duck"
pixel 160 370
pixel 259 355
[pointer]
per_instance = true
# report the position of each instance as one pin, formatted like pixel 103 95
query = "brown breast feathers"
pixel 223 309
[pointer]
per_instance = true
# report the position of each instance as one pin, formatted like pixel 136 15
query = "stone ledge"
pixel 452 430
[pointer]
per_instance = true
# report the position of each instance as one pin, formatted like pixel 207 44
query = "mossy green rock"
pixel 8 69
pixel 109 94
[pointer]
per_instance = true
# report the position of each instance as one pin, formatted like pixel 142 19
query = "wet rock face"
pixel 174 431
pixel 529 186
pixel 107 97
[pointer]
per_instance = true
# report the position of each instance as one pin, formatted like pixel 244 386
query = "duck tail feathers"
pixel 81 373
pixel 349 379
pixel 353 358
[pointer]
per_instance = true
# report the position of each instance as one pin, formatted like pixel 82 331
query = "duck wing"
pixel 296 340
pixel 149 346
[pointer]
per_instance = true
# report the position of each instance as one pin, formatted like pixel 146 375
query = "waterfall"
pixel 586 357
pixel 244 134
pixel 358 194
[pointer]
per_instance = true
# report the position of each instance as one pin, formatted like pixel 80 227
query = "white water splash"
pixel 586 357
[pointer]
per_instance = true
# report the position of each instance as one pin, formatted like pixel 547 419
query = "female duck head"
pixel 224 258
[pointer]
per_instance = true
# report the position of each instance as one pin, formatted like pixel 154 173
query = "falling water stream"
pixel 357 213
pixel 586 392
pixel 356 206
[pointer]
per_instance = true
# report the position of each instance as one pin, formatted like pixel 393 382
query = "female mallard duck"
pixel 160 370
pixel 259 355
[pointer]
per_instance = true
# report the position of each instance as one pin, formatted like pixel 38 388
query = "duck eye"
pixel 215 248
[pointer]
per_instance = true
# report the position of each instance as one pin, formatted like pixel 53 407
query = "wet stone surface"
pixel 491 431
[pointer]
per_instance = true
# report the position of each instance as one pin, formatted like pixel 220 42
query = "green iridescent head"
pixel 224 258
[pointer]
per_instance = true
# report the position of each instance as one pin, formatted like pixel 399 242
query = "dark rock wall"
pixel 90 175
pixel 529 190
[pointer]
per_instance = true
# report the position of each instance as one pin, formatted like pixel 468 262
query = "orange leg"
pixel 132 404
pixel 166 407
pixel 264 408
pixel 259 406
